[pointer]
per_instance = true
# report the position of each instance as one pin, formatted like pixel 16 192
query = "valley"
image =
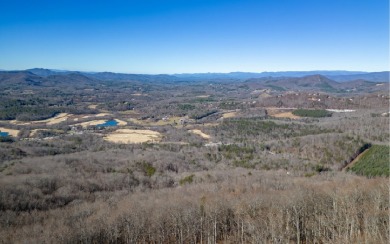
pixel 184 159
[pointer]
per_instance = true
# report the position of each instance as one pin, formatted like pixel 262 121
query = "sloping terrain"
pixel 221 161
pixel 374 162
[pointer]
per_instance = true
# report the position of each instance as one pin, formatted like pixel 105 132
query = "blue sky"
pixel 172 36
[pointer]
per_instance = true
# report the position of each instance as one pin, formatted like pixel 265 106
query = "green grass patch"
pixel 375 162
pixel 146 168
pixel 314 113
pixel 187 180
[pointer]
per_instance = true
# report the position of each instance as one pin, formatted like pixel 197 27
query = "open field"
pixel 200 133
pixel 96 115
pixel 11 132
pixel 229 115
pixel 286 115
pixel 133 136
pixel 169 121
pixel 121 122
pixel 91 123
pixel 59 118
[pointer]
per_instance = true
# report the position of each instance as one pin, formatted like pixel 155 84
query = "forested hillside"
pixel 113 158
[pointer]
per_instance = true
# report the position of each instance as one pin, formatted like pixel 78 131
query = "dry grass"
pixel 200 133
pixel 229 115
pixel 121 122
pixel 11 132
pixel 57 119
pixel 52 121
pixel 101 121
pixel 102 114
pixel 95 115
pixel 92 122
pixel 286 115
pixel 128 136
pixel 170 121
pixel 281 113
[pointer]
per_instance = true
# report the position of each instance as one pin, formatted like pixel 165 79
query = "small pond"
pixel 109 123
pixel 4 134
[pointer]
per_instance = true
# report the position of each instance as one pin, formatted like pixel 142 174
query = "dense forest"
pixel 192 161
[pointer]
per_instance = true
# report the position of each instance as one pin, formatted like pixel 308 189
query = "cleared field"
pixel 200 133
pixel 11 132
pixel 52 121
pixel 289 115
pixel 101 121
pixel 57 119
pixel 229 115
pixel 93 122
pixel 102 114
pixel 171 120
pixel 121 122
pixel 128 136
pixel 95 115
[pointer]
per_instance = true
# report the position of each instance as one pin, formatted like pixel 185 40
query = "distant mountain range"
pixel 338 75
pixel 329 81
pixel 249 75
pixel 316 83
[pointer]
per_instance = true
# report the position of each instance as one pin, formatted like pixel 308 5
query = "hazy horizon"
pixel 174 37
pixel 189 73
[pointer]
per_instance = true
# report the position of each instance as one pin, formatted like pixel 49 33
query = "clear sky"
pixel 186 36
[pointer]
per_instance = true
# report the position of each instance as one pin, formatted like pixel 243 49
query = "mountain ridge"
pixel 337 75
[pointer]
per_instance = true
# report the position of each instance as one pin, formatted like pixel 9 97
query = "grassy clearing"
pixel 375 162
pixel 11 132
pixel 201 134
pixel 289 115
pixel 61 117
pixel 127 136
pixel 170 121
pixel 229 115
pixel 93 122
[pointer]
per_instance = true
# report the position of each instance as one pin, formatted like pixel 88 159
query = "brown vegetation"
pixel 236 207
pixel 173 171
